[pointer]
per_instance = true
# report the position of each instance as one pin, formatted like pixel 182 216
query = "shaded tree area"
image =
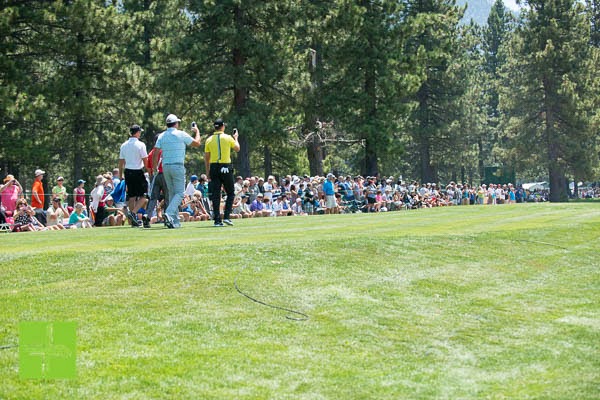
pixel 548 99
pixel 434 48
pixel 371 87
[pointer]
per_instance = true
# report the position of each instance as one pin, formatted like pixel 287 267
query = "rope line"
pixel 8 346
pixel 304 316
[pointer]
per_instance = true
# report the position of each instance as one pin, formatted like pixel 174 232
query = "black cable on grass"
pixel 8 346
pixel 305 317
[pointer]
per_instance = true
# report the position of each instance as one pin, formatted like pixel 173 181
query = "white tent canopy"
pixel 536 186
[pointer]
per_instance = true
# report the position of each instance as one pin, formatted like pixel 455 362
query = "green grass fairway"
pixel 474 302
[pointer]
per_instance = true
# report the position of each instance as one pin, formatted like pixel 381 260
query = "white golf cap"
pixel 172 118
pixel 39 172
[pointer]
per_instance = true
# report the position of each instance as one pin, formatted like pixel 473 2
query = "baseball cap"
pixel 172 118
pixel 193 178
pixel 79 182
pixel 219 123
pixel 39 172
pixel 134 129
pixel 60 178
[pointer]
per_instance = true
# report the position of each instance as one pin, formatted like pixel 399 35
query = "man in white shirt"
pixel 132 164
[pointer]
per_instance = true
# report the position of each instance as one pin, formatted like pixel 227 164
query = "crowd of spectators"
pixel 254 197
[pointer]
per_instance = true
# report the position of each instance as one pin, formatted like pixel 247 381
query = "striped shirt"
pixel 173 143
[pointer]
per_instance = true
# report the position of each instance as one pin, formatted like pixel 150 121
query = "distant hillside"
pixel 477 10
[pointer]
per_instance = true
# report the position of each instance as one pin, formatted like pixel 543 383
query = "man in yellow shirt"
pixel 217 161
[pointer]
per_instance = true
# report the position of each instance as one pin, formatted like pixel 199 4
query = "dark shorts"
pixel 136 183
pixel 371 200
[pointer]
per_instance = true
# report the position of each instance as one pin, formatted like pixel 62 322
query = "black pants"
pixel 221 175
pixel 158 188
pixel 99 216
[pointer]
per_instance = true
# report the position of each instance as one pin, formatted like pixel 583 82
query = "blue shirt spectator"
pixel 328 188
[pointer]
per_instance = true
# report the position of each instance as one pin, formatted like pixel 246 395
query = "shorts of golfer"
pixel 221 175
pixel 137 185
pixel 330 201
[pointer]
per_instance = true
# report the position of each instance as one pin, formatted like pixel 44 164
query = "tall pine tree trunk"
pixel 268 162
pixel 78 128
pixel 427 172
pixel 314 152
pixel 314 149
pixel 372 137
pixel 240 100
pixel 556 171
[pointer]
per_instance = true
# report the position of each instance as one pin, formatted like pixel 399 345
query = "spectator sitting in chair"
pixel 56 214
pixel 78 219
pixel 113 216
pixel 281 207
pixel 297 207
pixel 25 219
pixel 258 206
pixel 240 207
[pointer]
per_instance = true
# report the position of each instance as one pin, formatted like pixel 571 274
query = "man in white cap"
pixel 132 163
pixel 173 144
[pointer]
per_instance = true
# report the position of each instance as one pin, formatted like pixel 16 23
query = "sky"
pixel 512 4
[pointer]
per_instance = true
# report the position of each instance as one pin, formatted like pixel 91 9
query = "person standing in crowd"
pixel 158 185
pixel 37 196
pixel 60 191
pixel 97 204
pixel 217 161
pixel 79 193
pixel 115 176
pixel 329 189
pixel 173 144
pixel 132 161
pixel 10 192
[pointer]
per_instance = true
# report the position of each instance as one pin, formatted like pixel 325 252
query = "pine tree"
pixel 547 92
pixel 369 78
pixel 434 45
pixel 153 28
pixel 20 98
pixel 233 57
pixel 593 7
pixel 499 27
